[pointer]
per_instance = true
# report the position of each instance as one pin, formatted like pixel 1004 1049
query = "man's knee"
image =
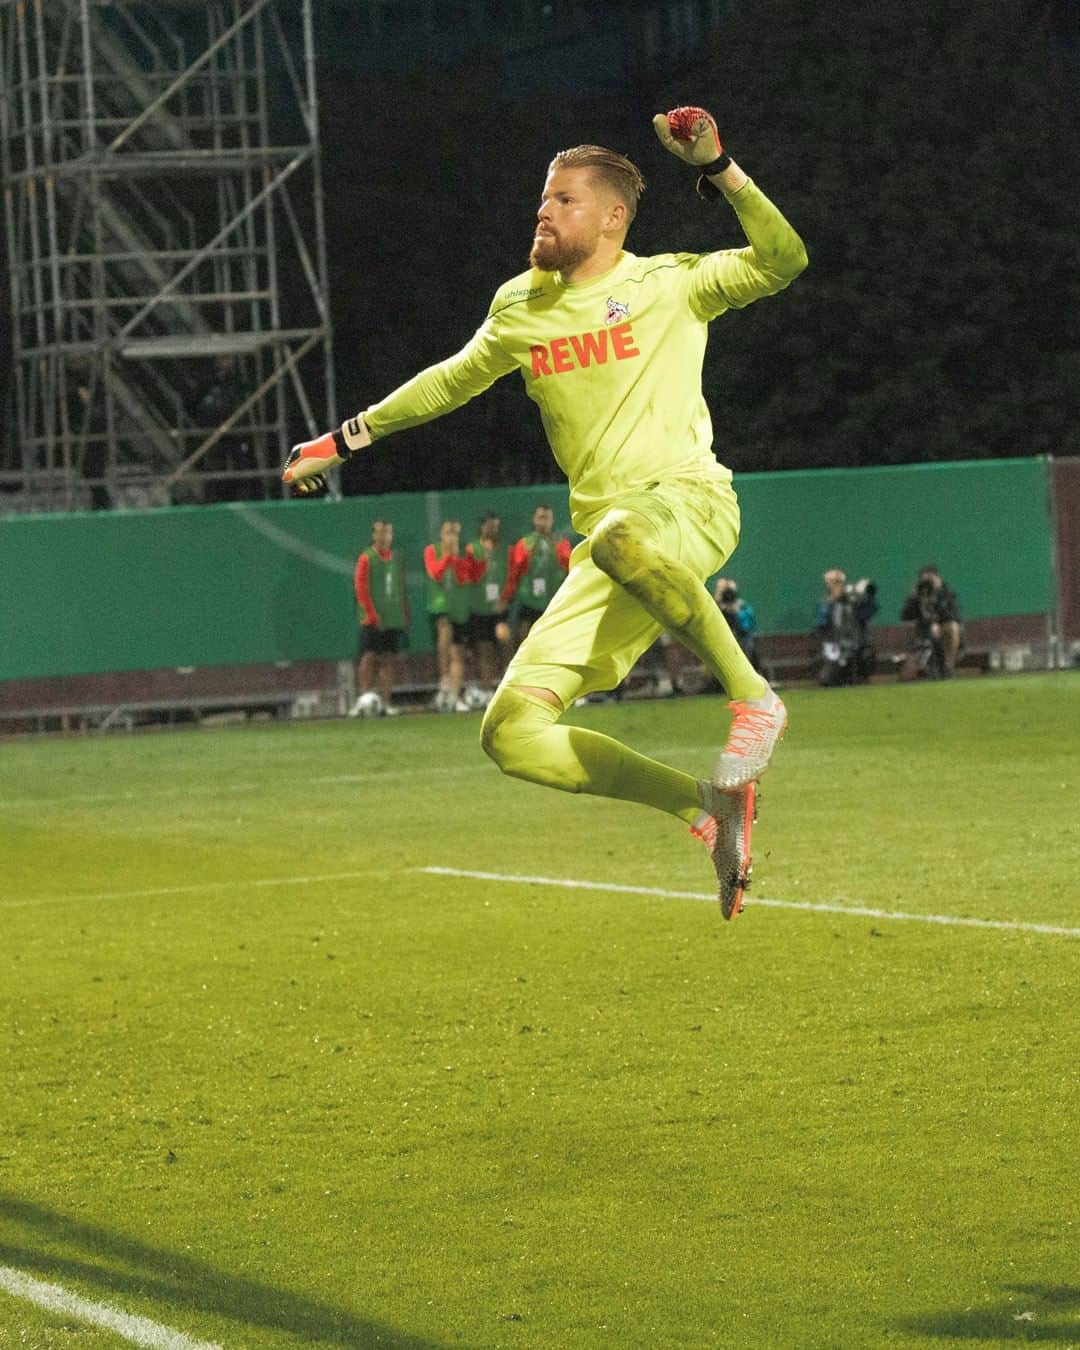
pixel 624 549
pixel 511 724
pixel 494 732
pixel 617 546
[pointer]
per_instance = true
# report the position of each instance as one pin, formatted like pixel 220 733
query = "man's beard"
pixel 551 254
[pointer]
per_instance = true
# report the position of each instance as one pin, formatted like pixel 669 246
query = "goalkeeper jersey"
pixel 613 363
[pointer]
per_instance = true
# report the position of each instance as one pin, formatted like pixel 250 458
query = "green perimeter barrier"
pixel 272 581
pixel 985 523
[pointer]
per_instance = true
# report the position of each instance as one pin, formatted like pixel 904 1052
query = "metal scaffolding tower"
pixel 166 249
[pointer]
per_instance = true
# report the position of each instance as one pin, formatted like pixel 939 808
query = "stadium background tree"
pixel 926 158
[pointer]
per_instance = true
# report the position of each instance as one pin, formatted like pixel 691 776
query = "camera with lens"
pixel 855 590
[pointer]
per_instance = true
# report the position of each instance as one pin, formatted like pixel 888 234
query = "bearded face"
pixel 574 212
pixel 552 252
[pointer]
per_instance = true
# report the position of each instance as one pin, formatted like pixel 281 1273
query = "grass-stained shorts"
pixel 593 631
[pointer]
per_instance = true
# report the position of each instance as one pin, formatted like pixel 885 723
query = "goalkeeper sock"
pixel 676 598
pixel 521 735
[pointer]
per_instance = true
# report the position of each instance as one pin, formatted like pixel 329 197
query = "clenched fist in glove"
pixel 691 134
pixel 306 467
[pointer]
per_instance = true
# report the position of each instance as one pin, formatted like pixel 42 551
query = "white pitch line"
pixel 858 911
pixel 54 1298
pixel 196 889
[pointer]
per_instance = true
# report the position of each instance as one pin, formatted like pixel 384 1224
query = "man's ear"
pixel 617 217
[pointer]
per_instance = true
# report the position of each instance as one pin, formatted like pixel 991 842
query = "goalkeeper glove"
pixel 691 134
pixel 305 469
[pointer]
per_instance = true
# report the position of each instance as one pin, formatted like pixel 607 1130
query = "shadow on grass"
pixel 1037 1313
pixel 115 1264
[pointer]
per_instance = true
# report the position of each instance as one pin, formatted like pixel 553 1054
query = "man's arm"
pixel 362 588
pixel 434 565
pixel 437 390
pixel 519 564
pixel 731 278
pixel 477 563
pixel 441 388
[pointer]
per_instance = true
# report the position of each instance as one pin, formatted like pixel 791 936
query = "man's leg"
pixel 455 669
pixel 639 545
pixel 588 639
pixel 628 547
pixel 365 672
pixel 522 734
pixel 521 730
pixel 443 636
pixel 387 664
pixel 950 645
pixel 524 624
pixel 485 660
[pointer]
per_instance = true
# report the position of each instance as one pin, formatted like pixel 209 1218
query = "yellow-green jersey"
pixel 614 364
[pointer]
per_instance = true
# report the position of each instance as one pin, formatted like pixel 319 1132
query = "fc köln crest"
pixel 616 311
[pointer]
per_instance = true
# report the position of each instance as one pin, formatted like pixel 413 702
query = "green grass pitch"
pixel 268 1084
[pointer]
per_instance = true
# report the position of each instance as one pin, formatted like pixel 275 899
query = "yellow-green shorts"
pixel 593 631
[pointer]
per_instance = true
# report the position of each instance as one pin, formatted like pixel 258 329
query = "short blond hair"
pixel 620 174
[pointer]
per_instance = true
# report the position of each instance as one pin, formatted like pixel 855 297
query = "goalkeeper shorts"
pixel 593 631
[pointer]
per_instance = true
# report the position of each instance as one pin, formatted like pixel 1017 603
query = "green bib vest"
pixel 448 596
pixel 544 574
pixel 386 581
pixel 486 591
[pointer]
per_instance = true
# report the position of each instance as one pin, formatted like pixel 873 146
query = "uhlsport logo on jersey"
pixel 616 311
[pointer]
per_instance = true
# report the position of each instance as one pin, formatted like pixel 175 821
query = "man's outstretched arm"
pixel 435 391
pixel 776 255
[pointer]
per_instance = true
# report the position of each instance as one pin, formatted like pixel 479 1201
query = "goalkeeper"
pixel 610 347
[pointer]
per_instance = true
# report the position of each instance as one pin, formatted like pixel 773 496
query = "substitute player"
pixel 449 574
pixel 610 347
pixel 382 611
pixel 538 565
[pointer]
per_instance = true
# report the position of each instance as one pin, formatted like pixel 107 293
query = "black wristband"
pixel 704 187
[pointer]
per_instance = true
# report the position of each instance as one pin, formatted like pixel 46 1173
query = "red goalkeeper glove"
pixel 691 134
pixel 307 465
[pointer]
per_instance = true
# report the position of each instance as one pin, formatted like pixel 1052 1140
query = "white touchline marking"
pixel 859 911
pixel 75 899
pixel 54 1298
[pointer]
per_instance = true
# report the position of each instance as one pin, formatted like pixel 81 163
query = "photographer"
pixel 843 622
pixel 935 612
pixel 740 618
